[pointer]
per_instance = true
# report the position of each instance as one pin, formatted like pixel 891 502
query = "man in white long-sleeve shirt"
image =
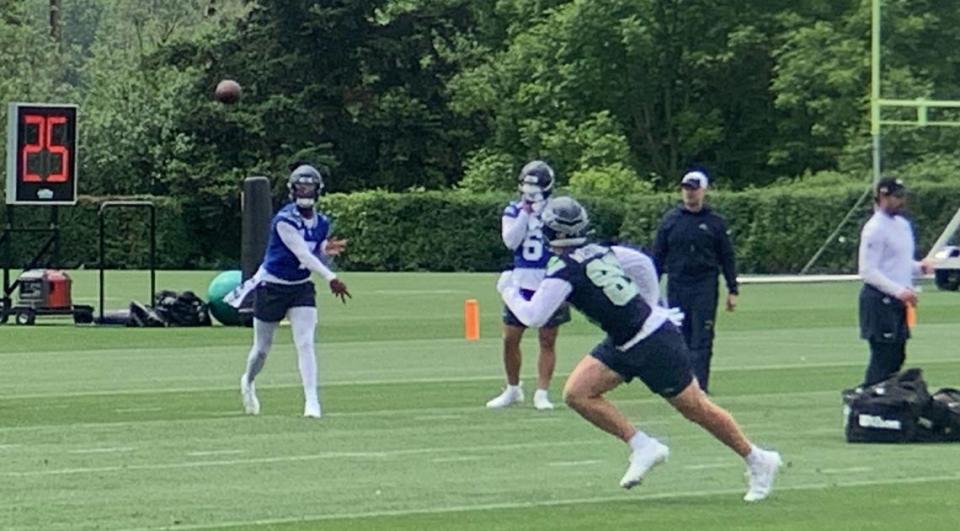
pixel 298 235
pixel 887 267
pixel 521 232
pixel 642 341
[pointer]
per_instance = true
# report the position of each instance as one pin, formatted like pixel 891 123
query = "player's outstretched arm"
pixel 544 303
pixel 298 246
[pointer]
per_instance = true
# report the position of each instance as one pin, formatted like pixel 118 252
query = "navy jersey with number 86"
pixel 602 291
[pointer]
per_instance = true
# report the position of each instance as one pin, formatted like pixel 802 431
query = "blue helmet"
pixel 565 222
pixel 536 181
pixel 304 185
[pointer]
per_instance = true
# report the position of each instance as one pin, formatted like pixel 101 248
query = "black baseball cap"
pixel 891 186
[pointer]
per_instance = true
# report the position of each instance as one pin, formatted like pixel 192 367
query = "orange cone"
pixel 471 320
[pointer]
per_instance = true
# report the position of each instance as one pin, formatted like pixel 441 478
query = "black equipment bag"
pixel 888 411
pixel 940 421
pixel 183 309
pixel 141 316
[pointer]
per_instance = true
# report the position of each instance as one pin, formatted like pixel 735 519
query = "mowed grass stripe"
pixel 387 398
pixel 633 509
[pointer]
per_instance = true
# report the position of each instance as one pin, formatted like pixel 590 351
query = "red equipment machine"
pixel 47 292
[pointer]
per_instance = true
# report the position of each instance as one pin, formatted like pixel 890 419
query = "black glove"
pixel 339 289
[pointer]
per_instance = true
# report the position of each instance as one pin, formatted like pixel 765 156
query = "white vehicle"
pixel 946 258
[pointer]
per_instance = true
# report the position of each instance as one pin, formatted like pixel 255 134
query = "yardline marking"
pixel 8 446
pixel 118 449
pixel 406 344
pixel 392 412
pixel 846 470
pixel 712 465
pixel 215 452
pixel 438 417
pixel 382 454
pixel 456 459
pixel 625 498
pixel 585 462
pixel 294 458
pixel 427 380
pixel 138 409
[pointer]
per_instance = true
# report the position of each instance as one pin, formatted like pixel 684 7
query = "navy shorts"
pixel 660 361
pixel 561 316
pixel 883 318
pixel 271 301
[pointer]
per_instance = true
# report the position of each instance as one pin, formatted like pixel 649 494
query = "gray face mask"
pixel 305 194
pixel 533 194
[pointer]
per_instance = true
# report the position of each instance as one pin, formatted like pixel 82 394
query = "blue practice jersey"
pixel 279 260
pixel 531 256
pixel 533 252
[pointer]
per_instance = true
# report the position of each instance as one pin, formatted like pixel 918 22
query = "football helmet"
pixel 565 222
pixel 304 186
pixel 536 182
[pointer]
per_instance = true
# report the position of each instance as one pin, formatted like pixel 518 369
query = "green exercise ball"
pixel 221 285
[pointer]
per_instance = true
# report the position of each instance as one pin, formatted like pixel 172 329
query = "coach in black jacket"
pixel 692 246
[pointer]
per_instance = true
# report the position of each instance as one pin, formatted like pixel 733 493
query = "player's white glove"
pixel 675 316
pixel 505 281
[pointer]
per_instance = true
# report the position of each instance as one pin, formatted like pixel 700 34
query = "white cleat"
pixel 250 403
pixel 541 400
pixel 762 474
pixel 641 461
pixel 312 410
pixel 508 397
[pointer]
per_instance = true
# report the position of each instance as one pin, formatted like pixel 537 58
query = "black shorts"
pixel 272 301
pixel 559 317
pixel 660 361
pixel 883 318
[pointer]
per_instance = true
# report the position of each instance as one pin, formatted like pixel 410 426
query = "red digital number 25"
pixel 45 141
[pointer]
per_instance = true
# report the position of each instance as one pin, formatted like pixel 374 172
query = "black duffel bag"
pixel 940 421
pixel 181 309
pixel 886 412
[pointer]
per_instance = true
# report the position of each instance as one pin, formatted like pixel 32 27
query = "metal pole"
pixel 875 89
pixel 55 227
pixel 102 255
pixel 153 251
pixel 816 256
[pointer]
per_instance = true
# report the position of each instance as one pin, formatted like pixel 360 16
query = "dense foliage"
pixel 775 230
pixel 439 95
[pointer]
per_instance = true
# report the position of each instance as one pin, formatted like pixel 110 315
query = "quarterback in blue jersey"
pixel 521 233
pixel 642 341
pixel 299 237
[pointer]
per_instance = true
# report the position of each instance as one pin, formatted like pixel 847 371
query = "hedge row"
pixel 184 239
pixel 774 230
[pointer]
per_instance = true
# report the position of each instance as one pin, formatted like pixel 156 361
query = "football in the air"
pixel 228 91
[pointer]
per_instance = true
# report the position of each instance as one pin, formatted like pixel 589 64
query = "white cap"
pixel 695 180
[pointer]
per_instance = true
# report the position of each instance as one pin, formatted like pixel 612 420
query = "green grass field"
pixel 114 428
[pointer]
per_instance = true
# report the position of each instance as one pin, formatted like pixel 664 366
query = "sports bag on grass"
pixel 886 412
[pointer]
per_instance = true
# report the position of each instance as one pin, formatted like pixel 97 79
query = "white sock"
pixel 639 440
pixel 543 392
pixel 754 456
pixel 303 321
pixel 262 341
pixel 513 388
